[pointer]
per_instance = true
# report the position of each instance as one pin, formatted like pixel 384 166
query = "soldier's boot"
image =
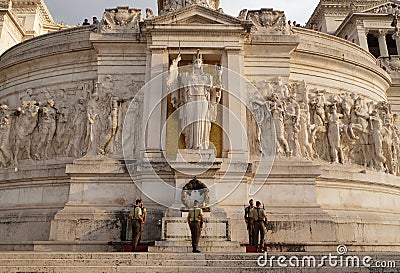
pixel 195 250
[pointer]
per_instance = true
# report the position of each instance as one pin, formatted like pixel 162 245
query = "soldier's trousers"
pixel 250 231
pixel 195 230
pixel 136 233
pixel 259 228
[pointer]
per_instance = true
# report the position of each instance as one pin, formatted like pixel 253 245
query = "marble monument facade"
pixel 69 169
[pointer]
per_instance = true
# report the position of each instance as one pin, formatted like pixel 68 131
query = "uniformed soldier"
pixel 195 217
pixel 259 216
pixel 136 217
pixel 144 216
pixel 249 222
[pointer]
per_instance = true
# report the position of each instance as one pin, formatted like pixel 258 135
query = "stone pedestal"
pixel 215 236
pixel 100 194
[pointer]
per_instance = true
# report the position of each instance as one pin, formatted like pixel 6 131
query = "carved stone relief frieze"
pixel 390 64
pixel 121 19
pixel 318 125
pixel 390 8
pixel 173 5
pixel 269 21
pixel 51 123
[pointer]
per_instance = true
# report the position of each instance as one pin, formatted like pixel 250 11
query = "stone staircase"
pixel 204 246
pixel 35 262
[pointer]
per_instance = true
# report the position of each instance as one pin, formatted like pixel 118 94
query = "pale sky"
pixel 74 11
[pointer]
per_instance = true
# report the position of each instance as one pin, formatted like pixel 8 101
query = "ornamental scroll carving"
pixel 269 21
pixel 318 125
pixel 121 19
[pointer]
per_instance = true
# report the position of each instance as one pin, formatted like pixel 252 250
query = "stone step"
pixel 188 249
pixel 171 256
pixel 175 269
pixel 127 262
pixel 170 262
pixel 204 246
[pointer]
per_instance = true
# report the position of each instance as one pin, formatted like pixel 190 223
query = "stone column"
pixel 396 37
pixel 382 43
pixel 154 110
pixel 236 122
pixel 362 38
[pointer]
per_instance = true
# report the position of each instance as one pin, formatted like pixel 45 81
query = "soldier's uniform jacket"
pixel 144 213
pixel 248 213
pixel 194 214
pixel 258 214
pixel 135 213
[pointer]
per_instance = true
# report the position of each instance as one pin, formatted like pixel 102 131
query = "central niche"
pixel 175 138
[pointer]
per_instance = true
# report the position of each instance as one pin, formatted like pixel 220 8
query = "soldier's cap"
pixel 138 201
pixel 196 202
pixel 251 200
pixel 258 203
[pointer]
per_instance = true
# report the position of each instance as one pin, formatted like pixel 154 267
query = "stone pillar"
pixel 154 110
pixel 236 122
pixel 362 38
pixel 396 37
pixel 382 43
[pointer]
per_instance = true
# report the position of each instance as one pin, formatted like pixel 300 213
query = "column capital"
pixel 382 32
pixel 396 35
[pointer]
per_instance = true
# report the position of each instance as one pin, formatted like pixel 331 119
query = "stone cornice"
pixel 37 4
pixel 338 7
pixel 356 17
pixel 15 21
pixel 206 22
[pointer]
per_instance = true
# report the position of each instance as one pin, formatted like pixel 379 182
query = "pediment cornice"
pixel 196 15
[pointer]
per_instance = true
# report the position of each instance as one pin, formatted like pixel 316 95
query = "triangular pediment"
pixel 195 15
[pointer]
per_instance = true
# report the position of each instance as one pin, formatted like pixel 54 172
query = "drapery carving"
pixel 339 128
